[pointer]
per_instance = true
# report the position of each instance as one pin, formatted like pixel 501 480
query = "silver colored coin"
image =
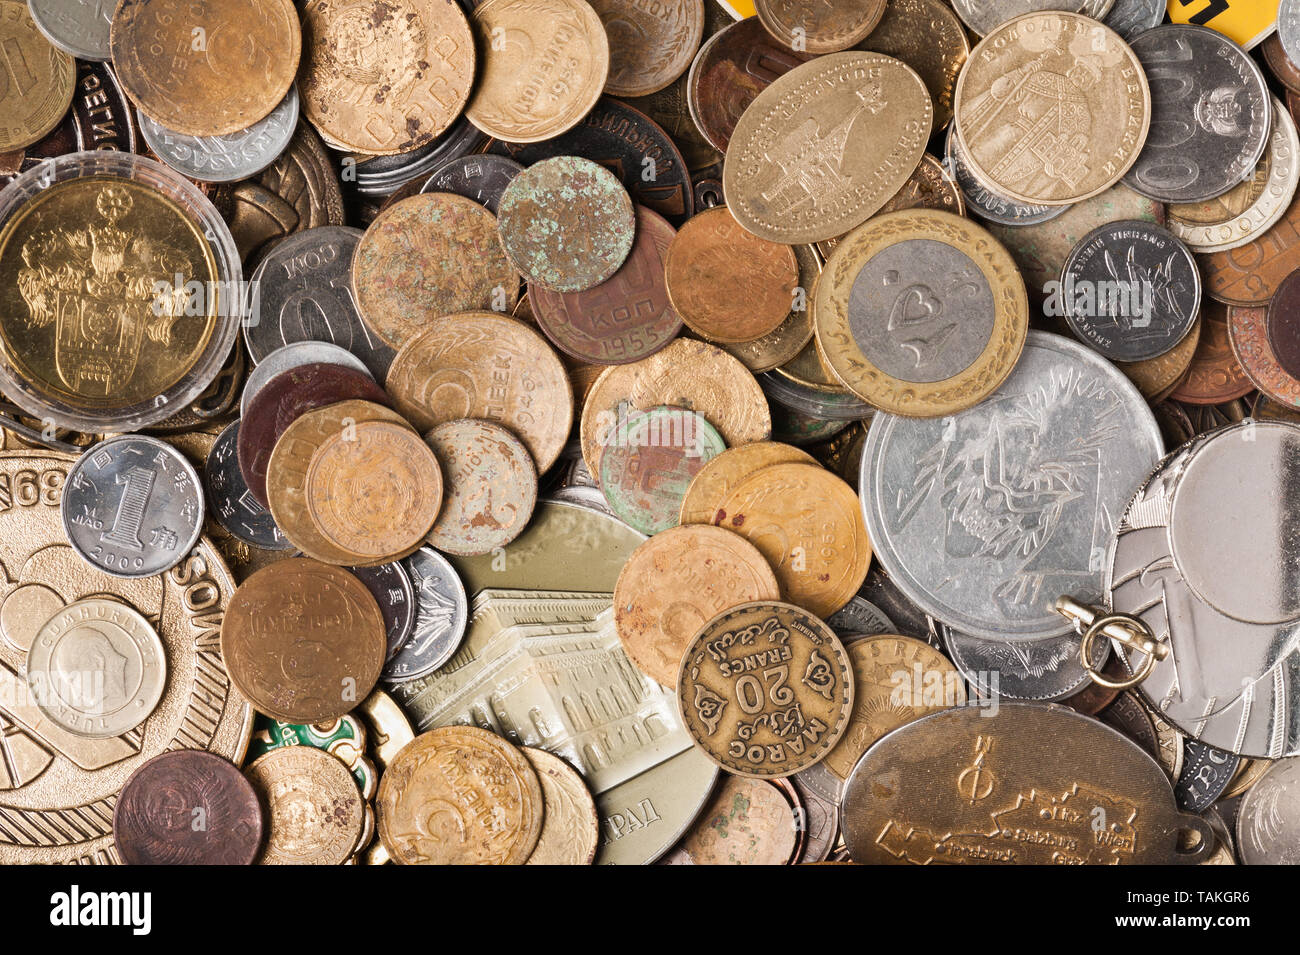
pixel 231 157
pixel 482 178
pixel 79 27
pixel 985 517
pixel 384 175
pixel 1288 28
pixel 1038 671
pixel 301 292
pixel 441 614
pixel 983 16
pixel 984 202
pixel 1131 290
pixel 908 619
pixel 821 822
pixel 132 506
pixel 860 616
pixel 1207 772
pixel 294 356
pixel 232 503
pixel 390 585
pixel 1211 113
pixel 1268 823
pixel 1131 18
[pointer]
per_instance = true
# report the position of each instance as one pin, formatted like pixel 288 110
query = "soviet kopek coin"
pixel 231 503
pixel 570 823
pixel 35 100
pixel 928 37
pixel 650 45
pixel 314 811
pixel 711 486
pixel 441 613
pixel 1213 375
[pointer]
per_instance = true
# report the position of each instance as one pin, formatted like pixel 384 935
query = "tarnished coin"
pixel 481 178
pixel 566 224
pixel 460 795
pixel 1283 324
pixel 1207 771
pixel 808 524
pixel 155 815
pixel 1268 823
pixel 544 74
pixel 1248 334
pixel 988 204
pixel 303 640
pixel 441 612
pixel 781 719
pixel 40 81
pixel 984 16
pixel 928 37
pixel 745 822
pixel 1248 275
pixel 1029 67
pixel 726 283
pixel 676 582
pixel 428 256
pixel 77 27
pixel 133 506
pixel 570 824
pixel 711 486
pixel 294 355
pixel 819 29
pixel 821 823
pixel 650 45
pixel 231 503
pixel 805 162
pixel 1214 375
pixel 788 339
pixel 1210 114
pixel 205 95
pixel 483 365
pixel 314 811
pixel 491 487
pixel 1279 64
pixel 393 591
pixel 385 76
pixel 860 617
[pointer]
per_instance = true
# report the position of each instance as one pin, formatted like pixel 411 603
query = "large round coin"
pixel 1268 822
pixel 765 689
pixel 983 518
pixel 315 814
pixel 39 80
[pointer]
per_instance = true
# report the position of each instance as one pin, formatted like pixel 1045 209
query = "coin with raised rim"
pixel 651 45
pixel 984 16
pixel 77 27
pixel 33 103
pixel 819 28
pixel 314 812
pixel 711 486
pixel 570 824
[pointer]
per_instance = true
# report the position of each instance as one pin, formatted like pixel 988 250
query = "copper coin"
pixel 1284 324
pixel 1250 274
pixel 282 400
pixel 187 807
pixel 1248 333
pixel 428 256
pixel 716 479
pixel 315 813
pixel 928 37
pixel 650 44
pixel 491 487
pixel 624 318
pixel 1156 376
pixel 745 822
pixel 1279 64
pixel 1214 375
pixel 566 223
pixel 240 73
pixel 571 823
pixel 819 28
pixel 788 339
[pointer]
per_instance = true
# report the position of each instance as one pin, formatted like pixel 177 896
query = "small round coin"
pixel 232 504
pixel 650 45
pixel 711 486
pixel 570 825
pixel 441 612
pixel 393 591
pixel 315 813
pixel 1214 375
pixel 819 28
pixel 39 81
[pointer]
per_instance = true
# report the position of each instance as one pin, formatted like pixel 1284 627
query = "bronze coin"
pixel 928 37
pixel 1250 274
pixel 650 44
pixel 1248 333
pixel 304 641
pixel 1155 377
pixel 1214 375
pixel 745 822
pixel 789 338
pixel 626 317
pixel 819 28
pixel 282 400
pixel 188 807
pixel 38 84
pixel 1279 64
pixel 1284 324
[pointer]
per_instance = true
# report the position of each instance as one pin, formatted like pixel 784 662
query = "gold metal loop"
pixel 1090 636
pixel 1123 628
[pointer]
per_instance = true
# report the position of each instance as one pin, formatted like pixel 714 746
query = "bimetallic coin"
pixel 1268 823
pixel 570 824
pixel 78 27
pixel 650 45
pixel 229 499
pixel 133 506
pixel 391 587
pixel 441 612
pixel 987 203
pixel 481 178
pixel 294 355
pixel 819 29
pixel 984 16
pixel 1213 375
pixel 35 100
pixel 928 37
pixel 314 811
pixel 188 807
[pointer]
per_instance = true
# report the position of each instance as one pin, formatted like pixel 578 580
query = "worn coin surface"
pixel 788 339
pixel 314 811
pixel 716 479
pixel 294 355
pixel 230 501
pixel 481 178
pixel 928 37
pixel 78 27
pixel 1037 671
pixel 1288 28
pixel 1214 375
pixel 1248 334
pixel 570 823
pixel 491 487
pixel 35 100
pixel 441 610
pixel 1268 823
pixel 984 16
pixel 819 29
pixel 745 822
pixel 650 45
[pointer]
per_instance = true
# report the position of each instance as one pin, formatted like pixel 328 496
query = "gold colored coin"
pixel 241 68
pixel 921 313
pixel 39 80
pixel 745 822
pixel 676 582
pixel 711 486
pixel 1017 83
pixel 570 823
pixel 651 44
pixel 822 27
pixel 1157 376
pixel 808 524
pixel 928 37
pixel 484 365
pixel 545 63
pixel 460 795
pixel 315 814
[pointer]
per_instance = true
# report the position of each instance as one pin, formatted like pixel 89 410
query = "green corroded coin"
pixel 566 223
pixel 648 462
pixel 343 738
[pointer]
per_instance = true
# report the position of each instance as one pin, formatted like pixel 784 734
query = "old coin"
pixel 676 582
pixel 483 365
pixel 984 16
pixel 988 204
pixel 819 29
pixel 1248 275
pixel 1207 771
pixel 154 820
pixel 1037 671
pixel 726 283
pixel 860 617
pixel 570 824
pixel 745 822
pixel 1268 823
pixel 1156 377
pixel 543 81
pixel 381 77
pixel 928 37
pixel 623 319
pixel 1248 773
pixel 715 481
pixel 1283 324
pixel 805 162
pixel 566 223
pixel 491 487
pixel 35 102
pixel 460 795
pixel 1248 334
pixel 1279 63
pixel 77 27
pixel 393 591
pixel 205 95
pixel 481 178
pixel 788 339
pixel 921 313
pixel 303 640
pixel 294 355
pixel 231 503
pixel 1131 18
pixel 650 45
pixel 441 610
pixel 314 811
pixel 133 506
pixel 1018 135
pixel 779 724
pixel 1214 375
pixel 1130 716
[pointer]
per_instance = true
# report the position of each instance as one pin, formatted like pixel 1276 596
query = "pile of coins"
pixel 584 431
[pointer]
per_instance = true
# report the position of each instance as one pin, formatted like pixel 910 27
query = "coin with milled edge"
pixel 314 812
pixel 481 178
pixel 441 613
pixel 984 16
pixel 987 203
pixel 77 27
pixel 650 45
pixel 229 499
pixel 818 29
pixel 35 100
pixel 392 589
pixel 1268 823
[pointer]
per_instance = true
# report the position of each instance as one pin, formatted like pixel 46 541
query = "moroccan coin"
pixel 650 45
pixel 808 524
pixel 921 313
pixel 570 824
pixel 626 317
pixel 784 342
pixel 1268 823
pixel 441 612
pixel 96 668
pixel 156 819
pixel 481 178
pixel 491 487
pixel 726 283
pixel 1248 334
pixel 781 719
pixel 1199 74
pixel 393 591
pixel 133 506
pixel 984 16
pixel 676 582
pixel 988 204
pixel 928 37
pixel 1030 62
pixel 1157 376
pixel 711 486
pixel 1131 18
pixel 77 27
pixel 806 160
pixel 483 365
pixel 819 29
pixel 1283 324
pixel 294 355
pixel 304 641
pixel 1214 375
pixel 381 77
pixel 250 55
pixel 460 795
pixel 545 72
pixel 35 103
pixel 232 504
pixel 566 224
pixel 745 822
pixel 314 812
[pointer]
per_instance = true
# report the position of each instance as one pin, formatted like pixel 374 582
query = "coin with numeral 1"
pixel 133 506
